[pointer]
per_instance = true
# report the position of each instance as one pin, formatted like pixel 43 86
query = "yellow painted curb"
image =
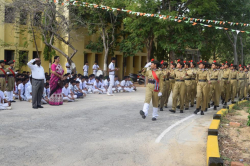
pixel 243 101
pixel 231 106
pixel 215 124
pixel 223 112
pixel 212 147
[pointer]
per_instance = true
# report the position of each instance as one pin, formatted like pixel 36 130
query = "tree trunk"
pixel 171 56
pixel 242 51
pixel 105 65
pixel 235 51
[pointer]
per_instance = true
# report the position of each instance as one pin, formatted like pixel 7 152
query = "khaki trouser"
pixel 202 95
pixel 193 91
pixel 179 91
pixel 208 93
pixel 151 94
pixel 3 84
pixel 242 88
pixel 164 94
pixel 222 90
pixel 215 92
pixel 233 89
pixel 167 93
pixel 226 90
pixel 189 85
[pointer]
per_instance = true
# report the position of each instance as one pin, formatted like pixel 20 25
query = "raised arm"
pixel 30 63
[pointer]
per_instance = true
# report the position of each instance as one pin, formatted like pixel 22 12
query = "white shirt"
pixel 124 83
pixel 83 85
pixel 112 67
pixel 71 87
pixel 86 68
pixel 106 83
pixel 37 71
pixel 116 83
pixel 66 91
pixel 98 85
pixel 68 69
pixel 28 90
pixel 2 97
pixel 21 87
pixel 95 67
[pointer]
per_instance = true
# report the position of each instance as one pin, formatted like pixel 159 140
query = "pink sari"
pixel 56 97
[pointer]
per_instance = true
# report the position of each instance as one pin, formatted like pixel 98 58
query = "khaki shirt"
pixel 234 74
pixel 203 75
pixel 1 72
pixel 227 74
pixel 149 75
pixel 180 74
pixel 189 73
pixel 172 74
pixel 215 74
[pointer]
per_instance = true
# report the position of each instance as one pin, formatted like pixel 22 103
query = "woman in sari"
pixel 56 97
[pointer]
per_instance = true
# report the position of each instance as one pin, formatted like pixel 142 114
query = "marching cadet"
pixel 171 78
pixel 165 75
pixel 167 82
pixel 241 82
pixel 194 83
pixel 189 84
pixel 203 79
pixel 234 82
pixel 246 82
pixel 11 80
pixel 153 90
pixel 227 79
pixel 3 75
pixel 215 78
pixel 179 87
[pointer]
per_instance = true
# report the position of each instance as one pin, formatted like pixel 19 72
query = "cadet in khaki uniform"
pixel 3 75
pixel 172 77
pixel 11 80
pixel 202 94
pixel 167 81
pixel 165 94
pixel 246 82
pixel 194 83
pixel 208 68
pixel 241 82
pixel 222 91
pixel 227 79
pixel 153 90
pixel 188 83
pixel 215 78
pixel 234 82
pixel 179 87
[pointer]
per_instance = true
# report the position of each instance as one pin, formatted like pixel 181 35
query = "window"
pixel 23 57
pixel 37 18
pixel 9 15
pixel 116 62
pixel 96 58
pixel 23 17
pixel 9 55
pixel 85 58
pixel 133 61
pixel 35 54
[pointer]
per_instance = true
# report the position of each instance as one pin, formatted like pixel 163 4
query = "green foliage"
pixel 248 122
pixel 95 46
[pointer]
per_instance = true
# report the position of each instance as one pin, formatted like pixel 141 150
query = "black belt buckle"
pixel 202 80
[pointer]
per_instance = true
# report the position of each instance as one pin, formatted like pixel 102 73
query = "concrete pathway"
pixel 101 130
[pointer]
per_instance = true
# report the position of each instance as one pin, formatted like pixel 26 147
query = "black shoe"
pixel 159 106
pixel 206 110
pixel 172 111
pixel 215 108
pixel 194 102
pixel 12 101
pixel 225 104
pixel 240 99
pixel 161 109
pixel 191 105
pixel 233 102
pixel 212 103
pixel 166 106
pixel 222 101
pixel 181 111
pixel 35 107
pixel 142 114
pixel 39 106
pixel 153 119
pixel 178 107
pixel 196 111
pixel 186 108
pixel 202 113
pixel 208 106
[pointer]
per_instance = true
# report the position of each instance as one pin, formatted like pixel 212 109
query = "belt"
pixel 171 78
pixel 214 79
pixel 193 78
pixel 151 81
pixel 202 80
pixel 225 78
pixel 179 80
pixel 166 79
pixel 241 78
pixel 188 79
pixel 2 75
pixel 11 75
pixel 38 79
pixel 233 78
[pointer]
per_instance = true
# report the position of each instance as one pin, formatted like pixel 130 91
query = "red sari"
pixel 56 97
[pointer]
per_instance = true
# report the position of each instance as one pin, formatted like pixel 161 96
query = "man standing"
pixel 227 79
pixel 11 81
pixel 85 69
pixel 112 70
pixel 68 67
pixel 3 75
pixel 38 80
pixel 95 68
pixel 234 82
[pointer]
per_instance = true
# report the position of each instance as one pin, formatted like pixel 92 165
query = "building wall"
pixel 81 38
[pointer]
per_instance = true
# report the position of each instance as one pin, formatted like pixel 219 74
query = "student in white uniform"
pixel 28 92
pixel 77 90
pixel 131 85
pixel 125 85
pixel 21 89
pixel 4 104
pixel 98 87
pixel 16 92
pixel 68 67
pixel 95 68
pixel 68 95
pixel 117 88
pixel 83 85
pixel 112 70
pixel 85 69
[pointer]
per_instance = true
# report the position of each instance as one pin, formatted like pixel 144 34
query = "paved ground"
pixel 100 130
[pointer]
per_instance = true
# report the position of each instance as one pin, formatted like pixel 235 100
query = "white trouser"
pixel 23 98
pixel 117 89
pixel 28 98
pixel 85 74
pixel 3 106
pixel 94 72
pixel 146 108
pixel 111 83
pixel 127 89
pixel 9 95
pixel 16 96
pixel 68 98
pixel 84 92
pixel 102 91
pixel 44 102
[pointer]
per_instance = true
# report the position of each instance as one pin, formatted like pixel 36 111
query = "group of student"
pixel 78 86
pixel 191 83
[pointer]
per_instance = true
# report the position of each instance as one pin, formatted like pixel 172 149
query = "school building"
pixel 13 43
